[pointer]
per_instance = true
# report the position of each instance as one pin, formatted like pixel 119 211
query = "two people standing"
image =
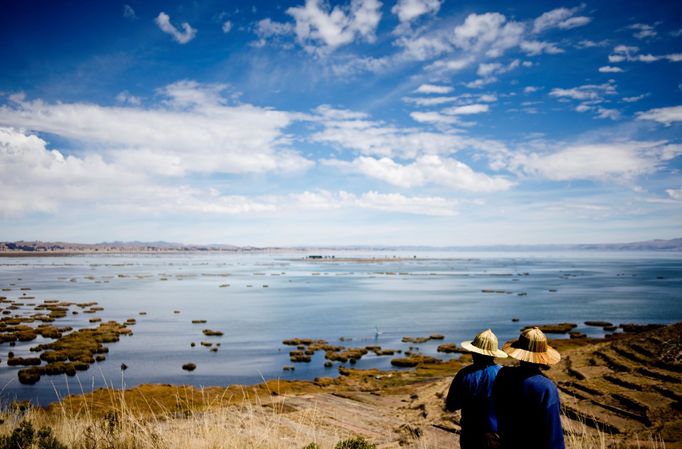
pixel 510 407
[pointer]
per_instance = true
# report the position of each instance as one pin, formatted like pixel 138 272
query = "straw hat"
pixel 532 347
pixel 485 343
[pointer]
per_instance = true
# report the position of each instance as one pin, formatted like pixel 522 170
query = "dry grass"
pixel 203 420
pixel 218 425
pixel 578 435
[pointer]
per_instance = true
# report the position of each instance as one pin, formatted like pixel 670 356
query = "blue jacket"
pixel 471 390
pixel 528 409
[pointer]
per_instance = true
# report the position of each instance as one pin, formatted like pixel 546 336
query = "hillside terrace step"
pixel 613 361
pixel 623 412
pixel 590 371
pixel 628 354
pixel 658 374
pixel 588 389
pixel 642 350
pixel 672 367
pixel 631 403
pixel 652 399
pixel 596 419
pixel 669 393
pixel 626 381
pixel 573 392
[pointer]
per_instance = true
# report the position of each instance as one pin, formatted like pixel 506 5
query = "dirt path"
pixel 390 421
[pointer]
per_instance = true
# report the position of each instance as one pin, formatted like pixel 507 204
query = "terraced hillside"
pixel 631 387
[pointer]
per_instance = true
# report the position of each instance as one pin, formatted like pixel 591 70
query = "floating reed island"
pixel 307 347
pixel 73 352
pixel 70 351
pixel 420 340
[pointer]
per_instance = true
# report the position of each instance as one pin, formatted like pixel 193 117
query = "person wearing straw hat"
pixel 471 391
pixel 527 402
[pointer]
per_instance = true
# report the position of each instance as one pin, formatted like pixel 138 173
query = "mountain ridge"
pixel 37 246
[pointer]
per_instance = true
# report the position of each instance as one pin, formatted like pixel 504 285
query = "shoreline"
pixel 609 388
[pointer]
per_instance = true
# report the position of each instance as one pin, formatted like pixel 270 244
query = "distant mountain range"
pixel 55 248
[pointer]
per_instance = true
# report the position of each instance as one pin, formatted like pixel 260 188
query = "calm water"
pixel 435 293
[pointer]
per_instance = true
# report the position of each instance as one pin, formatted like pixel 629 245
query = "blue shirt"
pixel 471 390
pixel 528 409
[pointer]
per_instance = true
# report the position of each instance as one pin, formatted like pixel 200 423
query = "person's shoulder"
pixel 506 374
pixel 466 371
pixel 508 370
pixel 542 382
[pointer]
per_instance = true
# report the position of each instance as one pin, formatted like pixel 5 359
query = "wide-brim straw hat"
pixel 532 347
pixel 485 343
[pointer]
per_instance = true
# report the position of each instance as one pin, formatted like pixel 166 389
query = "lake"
pixel 258 300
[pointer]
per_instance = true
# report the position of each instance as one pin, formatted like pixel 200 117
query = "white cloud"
pixel 675 194
pixel 428 169
pixel 429 101
pixel 467 109
pixel 421 48
pixel 191 130
pixel 477 84
pixel 486 69
pixel 182 37
pixel 490 33
pixel 30 174
pixel 530 89
pixel 267 28
pixel 329 113
pixel 612 114
pixel 643 31
pixel 496 68
pixel 533 48
pixel 587 43
pixel 459 99
pixel 634 99
pixel 667 116
pixel 604 161
pixel 227 26
pixel 585 92
pixel 318 29
pixel 562 18
pixel 433 89
pixel 367 137
pixel 129 12
pixel 435 118
pixel 631 53
pixel 451 65
pixel 610 69
pixel 127 97
pixel 408 10
pixel 388 202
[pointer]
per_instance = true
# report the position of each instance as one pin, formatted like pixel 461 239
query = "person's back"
pixel 526 402
pixel 471 391
pixel 528 409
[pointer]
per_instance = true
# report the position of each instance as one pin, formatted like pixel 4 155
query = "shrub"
pixel 48 441
pixel 311 446
pixel 24 437
pixel 355 443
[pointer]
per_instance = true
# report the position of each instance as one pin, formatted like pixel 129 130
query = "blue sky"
pixel 392 122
